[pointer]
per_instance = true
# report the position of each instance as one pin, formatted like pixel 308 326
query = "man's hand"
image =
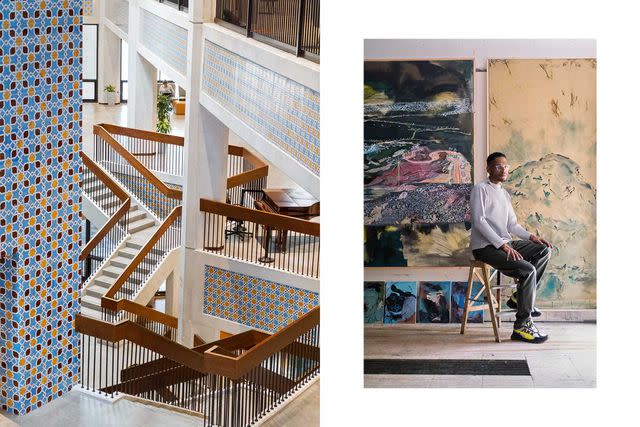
pixel 511 253
pixel 540 240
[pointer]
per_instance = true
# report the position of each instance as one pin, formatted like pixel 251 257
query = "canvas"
pixel 435 245
pixel 542 115
pixel 418 152
pixel 458 296
pixel 434 302
pixel 373 302
pixel 400 302
pixel 418 157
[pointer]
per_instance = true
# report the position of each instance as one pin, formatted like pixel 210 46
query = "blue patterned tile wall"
pixel 148 194
pixel 167 40
pixel 283 111
pixel 252 301
pixel 40 227
pixel 87 7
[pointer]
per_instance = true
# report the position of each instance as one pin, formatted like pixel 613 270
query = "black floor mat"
pixel 446 367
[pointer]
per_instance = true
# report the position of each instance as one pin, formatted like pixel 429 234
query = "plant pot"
pixel 111 98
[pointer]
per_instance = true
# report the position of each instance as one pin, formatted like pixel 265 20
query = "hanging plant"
pixel 165 107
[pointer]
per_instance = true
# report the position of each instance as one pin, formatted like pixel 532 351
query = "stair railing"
pixel 247 176
pixel 232 382
pixel 160 198
pixel 268 239
pixel 115 201
pixel 130 282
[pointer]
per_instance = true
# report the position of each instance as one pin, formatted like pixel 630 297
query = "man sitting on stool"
pixel 493 219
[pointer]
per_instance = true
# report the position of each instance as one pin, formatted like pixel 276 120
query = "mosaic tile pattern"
pixel 283 111
pixel 148 194
pixel 253 301
pixel 87 7
pixel 40 226
pixel 168 41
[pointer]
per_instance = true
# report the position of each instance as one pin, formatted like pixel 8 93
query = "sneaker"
pixel 512 303
pixel 528 333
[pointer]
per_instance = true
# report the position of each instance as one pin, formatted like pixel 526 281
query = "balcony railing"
pixel 264 238
pixel 290 25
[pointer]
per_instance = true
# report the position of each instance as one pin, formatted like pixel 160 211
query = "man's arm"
pixel 478 213
pixel 512 223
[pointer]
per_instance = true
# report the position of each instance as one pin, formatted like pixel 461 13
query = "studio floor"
pixel 566 360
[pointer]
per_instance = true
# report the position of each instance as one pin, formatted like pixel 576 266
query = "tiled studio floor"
pixel 567 359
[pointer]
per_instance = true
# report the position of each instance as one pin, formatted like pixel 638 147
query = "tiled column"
pixel 40 228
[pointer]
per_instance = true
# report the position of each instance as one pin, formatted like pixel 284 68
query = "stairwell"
pixel 141 226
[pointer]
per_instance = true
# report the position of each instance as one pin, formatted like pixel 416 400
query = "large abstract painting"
pixel 418 157
pixel 542 115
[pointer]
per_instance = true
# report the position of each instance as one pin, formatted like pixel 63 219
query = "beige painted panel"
pixel 542 115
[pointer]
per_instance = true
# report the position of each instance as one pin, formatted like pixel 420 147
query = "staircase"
pixel 141 226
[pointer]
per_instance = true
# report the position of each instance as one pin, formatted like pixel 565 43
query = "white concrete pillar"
pixel 143 78
pixel 205 166
pixel 108 61
pixel 202 10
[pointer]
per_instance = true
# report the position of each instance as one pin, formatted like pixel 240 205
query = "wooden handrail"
pixel 130 158
pixel 205 362
pixel 118 191
pixel 120 281
pixel 144 134
pixel 261 169
pixel 141 310
pixel 281 222
pixel 246 177
pixel 104 176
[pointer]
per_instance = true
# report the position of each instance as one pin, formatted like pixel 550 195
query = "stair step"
pixel 95 291
pixel 104 281
pixel 112 271
pixel 140 225
pixel 120 261
pixel 128 252
pixel 136 215
pixel 91 312
pixel 91 302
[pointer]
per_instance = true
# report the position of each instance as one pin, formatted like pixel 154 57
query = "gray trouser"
pixel 527 271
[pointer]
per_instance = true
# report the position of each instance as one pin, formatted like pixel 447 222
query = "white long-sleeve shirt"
pixel 492 216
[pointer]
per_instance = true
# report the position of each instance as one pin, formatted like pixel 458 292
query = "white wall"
pixel 480 51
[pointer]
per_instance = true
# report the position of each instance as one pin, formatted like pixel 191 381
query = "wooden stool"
pixel 493 300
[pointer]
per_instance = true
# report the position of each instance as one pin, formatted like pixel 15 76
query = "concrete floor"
pixel 78 409
pixel 567 359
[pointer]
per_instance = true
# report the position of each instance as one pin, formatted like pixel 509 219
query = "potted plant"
pixel 111 95
pixel 164 109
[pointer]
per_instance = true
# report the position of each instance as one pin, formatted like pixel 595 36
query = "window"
pixel 124 71
pixel 90 62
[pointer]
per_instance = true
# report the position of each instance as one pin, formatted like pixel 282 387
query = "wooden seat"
pixel 482 272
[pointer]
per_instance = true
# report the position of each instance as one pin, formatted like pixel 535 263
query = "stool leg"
pixel 489 301
pixel 463 323
pixel 499 296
